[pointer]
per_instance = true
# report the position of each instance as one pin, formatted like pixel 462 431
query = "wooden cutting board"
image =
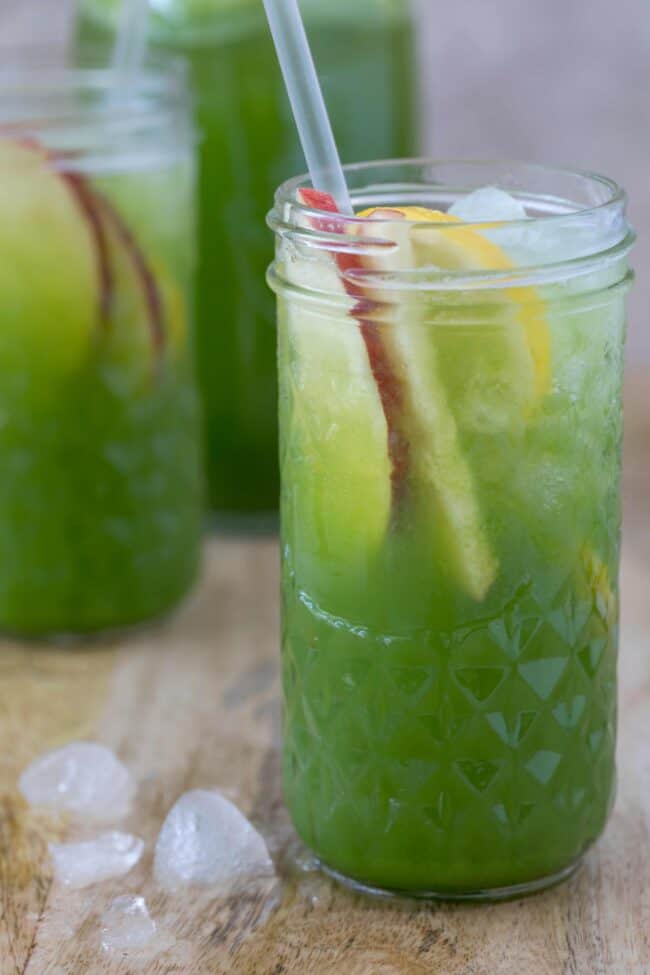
pixel 195 703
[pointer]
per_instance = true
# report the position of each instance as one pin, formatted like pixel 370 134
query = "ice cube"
pixel 206 840
pixel 83 778
pixel 90 861
pixel 540 241
pixel 127 924
pixel 488 203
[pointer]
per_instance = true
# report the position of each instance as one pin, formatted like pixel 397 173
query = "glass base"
pixel 490 895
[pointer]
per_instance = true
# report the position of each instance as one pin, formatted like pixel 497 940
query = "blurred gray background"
pixel 556 81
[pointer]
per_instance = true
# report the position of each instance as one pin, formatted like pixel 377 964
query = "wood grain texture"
pixel 195 703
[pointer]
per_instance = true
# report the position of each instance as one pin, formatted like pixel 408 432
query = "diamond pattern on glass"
pixel 413 752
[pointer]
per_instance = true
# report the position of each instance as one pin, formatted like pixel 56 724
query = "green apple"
pixel 441 481
pixel 50 271
pixel 336 469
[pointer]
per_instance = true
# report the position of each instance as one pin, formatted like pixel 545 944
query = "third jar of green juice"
pixel 450 366
pixel 365 52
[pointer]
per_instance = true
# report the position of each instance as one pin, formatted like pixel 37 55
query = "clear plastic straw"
pixel 307 103
pixel 131 41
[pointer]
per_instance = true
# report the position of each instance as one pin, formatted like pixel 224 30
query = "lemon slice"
pixel 506 371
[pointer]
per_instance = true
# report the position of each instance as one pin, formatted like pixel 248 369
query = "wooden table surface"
pixel 195 703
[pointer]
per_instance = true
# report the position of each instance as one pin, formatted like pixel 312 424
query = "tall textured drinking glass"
pixel 450 410
pixel 100 494
pixel 365 52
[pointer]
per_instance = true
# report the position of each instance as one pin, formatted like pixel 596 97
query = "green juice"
pixel 449 652
pixel 101 493
pixel 365 54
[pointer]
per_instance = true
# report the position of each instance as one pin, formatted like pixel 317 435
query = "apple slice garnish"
pixel 87 202
pixel 388 387
pixel 71 260
pixel 113 238
pixel 144 273
pixel 423 441
pixel 440 474
pixel 49 278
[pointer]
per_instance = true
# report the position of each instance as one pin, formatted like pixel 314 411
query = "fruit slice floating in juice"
pixel 422 434
pixel 342 425
pixel 49 269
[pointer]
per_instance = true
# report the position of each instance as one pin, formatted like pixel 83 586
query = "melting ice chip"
pixel 91 861
pixel 486 204
pixel 205 840
pixel 127 924
pixel 540 240
pixel 83 778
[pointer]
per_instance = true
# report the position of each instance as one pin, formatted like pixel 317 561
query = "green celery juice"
pixel 450 454
pixel 101 494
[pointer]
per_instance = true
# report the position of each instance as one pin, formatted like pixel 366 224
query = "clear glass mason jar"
pixel 365 53
pixel 450 416
pixel 101 491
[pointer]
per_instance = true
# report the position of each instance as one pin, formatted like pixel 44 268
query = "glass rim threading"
pixel 597 229
pixel 95 122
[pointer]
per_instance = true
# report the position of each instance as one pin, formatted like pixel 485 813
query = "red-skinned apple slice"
pixel 422 435
pixel 390 392
pixel 336 468
pixel 71 252
pixel 49 279
pixel 85 198
pixel 112 235
pixel 144 273
pixel 440 473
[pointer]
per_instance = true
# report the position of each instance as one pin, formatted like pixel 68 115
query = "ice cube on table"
pixel 127 924
pixel 89 862
pixel 82 778
pixel 486 204
pixel 206 841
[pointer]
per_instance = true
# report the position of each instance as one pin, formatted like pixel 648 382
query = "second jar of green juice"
pixel 365 53
pixel 101 493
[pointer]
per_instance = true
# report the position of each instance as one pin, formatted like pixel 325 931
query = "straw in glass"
pixel 131 41
pixel 307 102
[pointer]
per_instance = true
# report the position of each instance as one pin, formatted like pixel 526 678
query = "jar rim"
pixel 287 190
pixel 94 118
pixel 591 228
